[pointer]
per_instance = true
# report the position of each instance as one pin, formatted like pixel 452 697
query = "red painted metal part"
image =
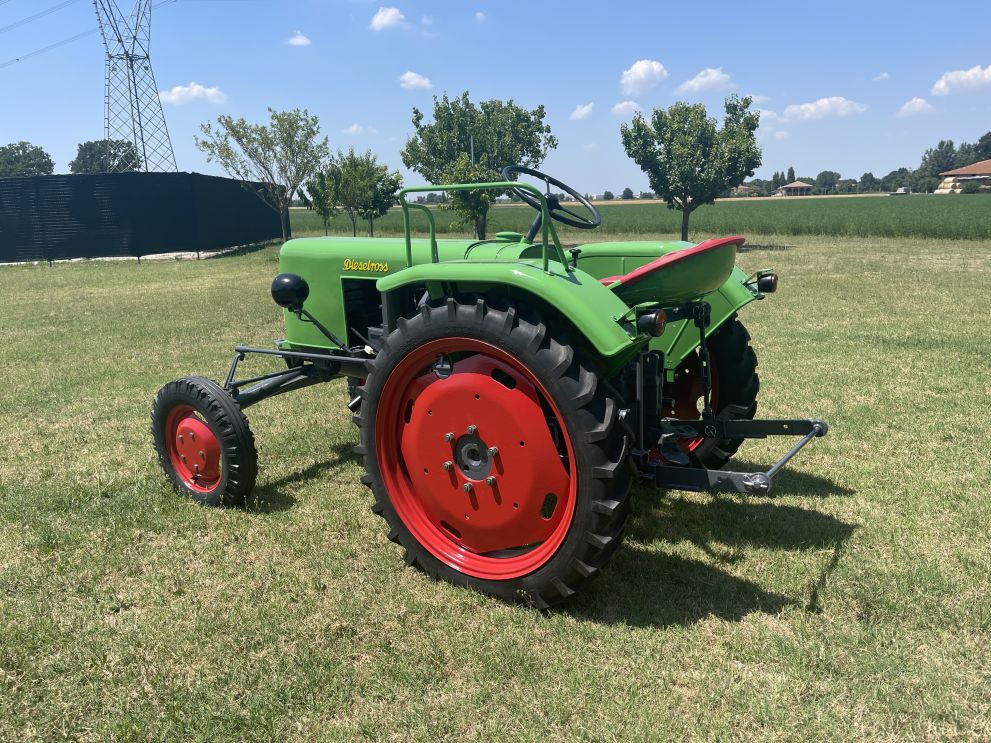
pixel 687 395
pixel 193 449
pixel 495 529
pixel 669 259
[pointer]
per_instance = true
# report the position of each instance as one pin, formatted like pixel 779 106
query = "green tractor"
pixel 508 393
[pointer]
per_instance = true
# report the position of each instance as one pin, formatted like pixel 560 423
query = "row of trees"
pixel 925 178
pixel 97 156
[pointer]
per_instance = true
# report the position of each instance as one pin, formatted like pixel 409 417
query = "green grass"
pixel 855 605
pixel 965 217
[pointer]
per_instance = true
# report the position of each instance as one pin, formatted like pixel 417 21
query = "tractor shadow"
pixel 644 587
pixel 275 496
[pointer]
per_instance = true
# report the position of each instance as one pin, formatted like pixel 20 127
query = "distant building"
pixel 954 180
pixel 795 188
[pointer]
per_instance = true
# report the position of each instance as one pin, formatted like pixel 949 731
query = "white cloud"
pixel 480 17
pixel 914 106
pixel 182 94
pixel 643 75
pixel 963 81
pixel 386 18
pixel 880 77
pixel 354 129
pixel 781 135
pixel 414 81
pixel 711 78
pixel 625 108
pixel 833 106
pixel 582 111
pixel 299 39
pixel 759 99
pixel 767 116
pixel 427 20
pixel 589 146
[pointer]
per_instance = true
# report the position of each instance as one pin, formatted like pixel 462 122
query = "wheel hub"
pixel 193 449
pixel 472 457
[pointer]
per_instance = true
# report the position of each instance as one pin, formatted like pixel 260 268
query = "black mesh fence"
pixel 128 214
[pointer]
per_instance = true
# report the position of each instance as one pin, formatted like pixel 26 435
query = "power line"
pixel 36 16
pixel 48 48
pixel 61 42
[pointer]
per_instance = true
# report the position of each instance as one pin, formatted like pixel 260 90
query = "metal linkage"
pixel 760 483
pixel 322 368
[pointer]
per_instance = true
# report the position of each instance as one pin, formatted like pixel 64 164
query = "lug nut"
pixel 467 487
pixel 493 450
pixel 202 455
pixel 448 464
pixel 490 480
pixel 448 437
pixel 180 438
pixel 472 428
pixel 192 436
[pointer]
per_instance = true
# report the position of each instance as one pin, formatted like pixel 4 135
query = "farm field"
pixel 965 217
pixel 854 605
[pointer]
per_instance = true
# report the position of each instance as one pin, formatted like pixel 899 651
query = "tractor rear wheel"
pixel 734 391
pixel 494 454
pixel 203 442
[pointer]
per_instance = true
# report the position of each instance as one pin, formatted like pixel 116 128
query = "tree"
pixel 24 158
pixel 500 131
pixel 868 182
pixel 280 156
pixel 983 147
pixel 938 159
pixel 896 179
pixel 471 207
pixel 381 198
pixel 627 194
pixel 608 196
pixel 826 181
pixel 966 155
pixel 106 156
pixel 791 175
pixel 690 161
pixel 362 187
pixel 321 197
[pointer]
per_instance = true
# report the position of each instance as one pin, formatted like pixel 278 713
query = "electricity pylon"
pixel 133 109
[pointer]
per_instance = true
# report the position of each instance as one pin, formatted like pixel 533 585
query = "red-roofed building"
pixel 955 180
pixel 795 188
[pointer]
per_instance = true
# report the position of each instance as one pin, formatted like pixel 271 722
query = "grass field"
pixel 855 605
pixel 965 217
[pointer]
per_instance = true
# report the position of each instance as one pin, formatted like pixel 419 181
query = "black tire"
pixel 735 365
pixel 238 459
pixel 588 413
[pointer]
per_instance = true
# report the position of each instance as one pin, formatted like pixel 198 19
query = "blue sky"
pixel 848 86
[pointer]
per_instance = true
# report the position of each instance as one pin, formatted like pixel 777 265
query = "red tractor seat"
pixel 679 275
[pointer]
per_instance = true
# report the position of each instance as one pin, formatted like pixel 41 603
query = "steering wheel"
pixel 559 213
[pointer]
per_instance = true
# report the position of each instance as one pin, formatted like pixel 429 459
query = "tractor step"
pixel 723 481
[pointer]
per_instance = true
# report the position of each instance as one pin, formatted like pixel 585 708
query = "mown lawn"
pixel 855 605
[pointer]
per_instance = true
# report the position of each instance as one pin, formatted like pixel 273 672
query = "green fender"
pixel 682 338
pixel 595 311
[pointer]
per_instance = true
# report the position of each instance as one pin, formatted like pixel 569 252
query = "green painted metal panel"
pixel 595 311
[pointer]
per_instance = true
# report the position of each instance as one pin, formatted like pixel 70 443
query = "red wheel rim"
pixel 687 395
pixel 481 419
pixel 193 449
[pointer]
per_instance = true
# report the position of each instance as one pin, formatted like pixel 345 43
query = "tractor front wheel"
pixel 203 442
pixel 493 452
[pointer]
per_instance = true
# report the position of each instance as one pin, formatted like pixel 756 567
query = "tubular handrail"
pixel 548 233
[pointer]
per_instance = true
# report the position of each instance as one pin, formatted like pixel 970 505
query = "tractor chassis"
pixel 308 368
